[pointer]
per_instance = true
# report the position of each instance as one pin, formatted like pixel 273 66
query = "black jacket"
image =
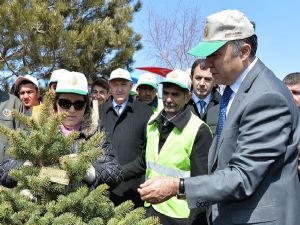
pixel 211 114
pixel 107 167
pixel 127 133
pixel 199 151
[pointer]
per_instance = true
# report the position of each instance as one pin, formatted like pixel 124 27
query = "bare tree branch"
pixel 170 37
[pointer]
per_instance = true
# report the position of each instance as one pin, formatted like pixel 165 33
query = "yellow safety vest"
pixel 173 160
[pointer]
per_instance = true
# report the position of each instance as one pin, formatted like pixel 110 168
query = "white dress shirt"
pixel 123 105
pixel 236 85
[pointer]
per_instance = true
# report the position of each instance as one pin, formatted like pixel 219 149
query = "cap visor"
pixel 206 48
pixel 121 78
pixel 149 84
pixel 72 91
pixel 175 82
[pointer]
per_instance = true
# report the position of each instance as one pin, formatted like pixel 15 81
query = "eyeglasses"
pixel 66 104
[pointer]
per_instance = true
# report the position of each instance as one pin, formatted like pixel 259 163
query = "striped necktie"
pixel 202 107
pixel 223 108
pixel 118 108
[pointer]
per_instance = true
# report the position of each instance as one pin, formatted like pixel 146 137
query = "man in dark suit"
pixel 253 158
pixel 126 121
pixel 205 97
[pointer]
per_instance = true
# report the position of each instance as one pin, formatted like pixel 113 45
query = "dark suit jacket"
pixel 211 114
pixel 127 133
pixel 253 176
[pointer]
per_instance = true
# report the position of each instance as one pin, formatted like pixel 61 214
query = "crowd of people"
pixel 199 155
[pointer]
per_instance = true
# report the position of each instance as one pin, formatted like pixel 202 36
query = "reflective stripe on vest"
pixel 169 172
pixel 173 160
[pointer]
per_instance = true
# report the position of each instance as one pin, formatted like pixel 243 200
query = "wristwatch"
pixel 181 189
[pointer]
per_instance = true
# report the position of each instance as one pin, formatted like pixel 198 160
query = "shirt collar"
pixel 122 105
pixel 235 86
pixel 66 131
pixel 128 104
pixel 179 121
pixel 197 99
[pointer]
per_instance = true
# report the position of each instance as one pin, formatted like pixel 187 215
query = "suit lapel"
pixel 239 96
pixel 212 155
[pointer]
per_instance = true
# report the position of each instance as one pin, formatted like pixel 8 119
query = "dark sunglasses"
pixel 66 104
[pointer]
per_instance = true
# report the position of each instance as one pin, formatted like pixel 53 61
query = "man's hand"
pixel 159 189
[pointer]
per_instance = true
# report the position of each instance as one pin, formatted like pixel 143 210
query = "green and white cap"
pixel 120 74
pixel 72 82
pixel 147 79
pixel 56 74
pixel 221 27
pixel 180 78
pixel 28 78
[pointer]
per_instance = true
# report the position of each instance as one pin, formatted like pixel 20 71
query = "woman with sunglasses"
pixel 72 97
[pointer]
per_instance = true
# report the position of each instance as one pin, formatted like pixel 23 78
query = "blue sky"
pixel 277 28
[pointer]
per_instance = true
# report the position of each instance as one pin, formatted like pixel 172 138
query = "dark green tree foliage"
pixel 46 202
pixel 90 36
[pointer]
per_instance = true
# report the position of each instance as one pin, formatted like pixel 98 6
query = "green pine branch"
pixel 41 144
